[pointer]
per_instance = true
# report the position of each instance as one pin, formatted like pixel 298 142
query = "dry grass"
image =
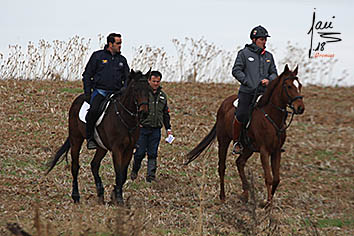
pixel 315 196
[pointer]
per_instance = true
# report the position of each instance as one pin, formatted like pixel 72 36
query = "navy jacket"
pixel 105 71
pixel 251 66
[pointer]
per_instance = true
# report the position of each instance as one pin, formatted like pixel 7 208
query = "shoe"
pixel 150 179
pixel 237 149
pixel 91 144
pixel 133 175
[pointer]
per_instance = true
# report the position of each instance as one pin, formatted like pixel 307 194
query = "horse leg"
pixel 275 159
pixel 95 166
pixel 267 175
pixel 241 163
pixel 223 146
pixel 75 152
pixel 117 194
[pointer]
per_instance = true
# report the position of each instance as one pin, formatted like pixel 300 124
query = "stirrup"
pixel 237 148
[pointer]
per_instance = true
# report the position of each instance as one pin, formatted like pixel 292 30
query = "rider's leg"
pixel 91 119
pixel 241 117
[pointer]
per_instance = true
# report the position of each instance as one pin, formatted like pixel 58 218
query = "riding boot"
pixel 237 126
pixel 91 144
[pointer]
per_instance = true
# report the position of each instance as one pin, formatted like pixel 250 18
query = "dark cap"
pixel 259 32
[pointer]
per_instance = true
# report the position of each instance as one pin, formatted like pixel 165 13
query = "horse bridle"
pixel 290 99
pixel 289 104
pixel 132 114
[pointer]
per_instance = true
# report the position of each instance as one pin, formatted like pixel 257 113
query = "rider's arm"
pixel 238 68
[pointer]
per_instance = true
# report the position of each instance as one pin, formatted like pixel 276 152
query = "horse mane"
pixel 269 91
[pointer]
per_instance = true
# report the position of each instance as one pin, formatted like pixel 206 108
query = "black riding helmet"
pixel 259 32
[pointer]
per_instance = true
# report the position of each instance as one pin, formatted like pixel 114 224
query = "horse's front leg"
pixel 95 166
pixel 267 175
pixel 275 160
pixel 117 194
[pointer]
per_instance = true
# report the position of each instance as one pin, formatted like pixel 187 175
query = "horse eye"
pixel 289 86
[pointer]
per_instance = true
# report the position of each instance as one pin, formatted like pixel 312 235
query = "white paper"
pixel 170 138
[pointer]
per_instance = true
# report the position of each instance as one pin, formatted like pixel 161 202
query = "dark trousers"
pixel 148 142
pixel 92 114
pixel 244 106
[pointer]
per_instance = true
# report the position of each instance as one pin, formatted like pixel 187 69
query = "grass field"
pixel 315 195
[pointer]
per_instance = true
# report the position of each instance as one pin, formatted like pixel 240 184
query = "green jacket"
pixel 158 111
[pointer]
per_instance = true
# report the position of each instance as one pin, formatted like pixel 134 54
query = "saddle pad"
pixel 82 115
pixel 235 103
pixel 84 109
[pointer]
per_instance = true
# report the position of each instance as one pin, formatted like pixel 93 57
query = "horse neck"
pixel 276 107
pixel 128 101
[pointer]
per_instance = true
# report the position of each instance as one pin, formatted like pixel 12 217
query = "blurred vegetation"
pixel 194 61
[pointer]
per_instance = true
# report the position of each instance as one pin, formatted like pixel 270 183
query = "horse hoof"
pixel 76 198
pixel 265 204
pixel 244 197
pixel 76 201
pixel 101 200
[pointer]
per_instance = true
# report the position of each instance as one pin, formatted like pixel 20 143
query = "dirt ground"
pixel 315 195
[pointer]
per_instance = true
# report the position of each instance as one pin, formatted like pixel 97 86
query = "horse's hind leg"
pixel 75 144
pixel 95 166
pixel 223 146
pixel 241 162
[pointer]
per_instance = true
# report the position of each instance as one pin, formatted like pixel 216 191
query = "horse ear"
pixel 296 70
pixel 286 68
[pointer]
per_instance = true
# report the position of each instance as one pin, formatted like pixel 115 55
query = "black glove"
pixel 87 98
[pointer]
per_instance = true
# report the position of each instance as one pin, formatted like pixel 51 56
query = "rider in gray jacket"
pixel 253 66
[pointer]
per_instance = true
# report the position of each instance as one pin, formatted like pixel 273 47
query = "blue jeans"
pixel 148 142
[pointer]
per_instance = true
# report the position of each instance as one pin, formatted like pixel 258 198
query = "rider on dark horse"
pixel 105 73
pixel 253 65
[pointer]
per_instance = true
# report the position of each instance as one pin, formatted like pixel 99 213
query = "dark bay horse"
pixel 119 131
pixel 267 131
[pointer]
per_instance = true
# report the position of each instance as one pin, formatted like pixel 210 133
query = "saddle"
pixel 101 112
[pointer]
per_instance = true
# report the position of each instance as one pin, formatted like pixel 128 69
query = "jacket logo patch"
pixel 267 60
pixel 104 61
pixel 251 59
pixel 120 63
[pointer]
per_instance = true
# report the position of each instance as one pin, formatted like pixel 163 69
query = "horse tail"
pixel 207 140
pixel 63 149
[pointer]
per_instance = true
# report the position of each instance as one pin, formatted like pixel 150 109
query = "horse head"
pixel 138 83
pixel 291 90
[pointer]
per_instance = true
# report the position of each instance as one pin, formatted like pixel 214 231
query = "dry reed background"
pixel 315 196
pixel 194 61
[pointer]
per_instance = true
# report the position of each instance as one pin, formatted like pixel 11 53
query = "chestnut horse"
pixel 119 131
pixel 266 132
